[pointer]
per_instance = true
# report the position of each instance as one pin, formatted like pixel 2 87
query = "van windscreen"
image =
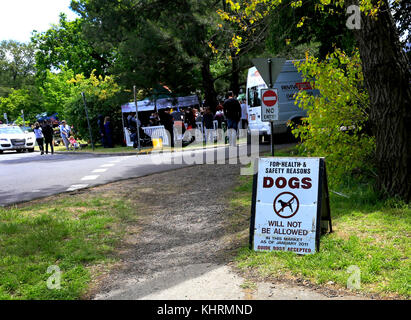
pixel 254 97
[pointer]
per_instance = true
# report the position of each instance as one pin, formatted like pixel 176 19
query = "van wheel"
pixel 30 150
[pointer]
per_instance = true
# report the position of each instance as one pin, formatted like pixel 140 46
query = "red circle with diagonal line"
pixel 270 98
pixel 286 202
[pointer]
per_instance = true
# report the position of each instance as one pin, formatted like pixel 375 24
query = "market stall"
pixel 147 106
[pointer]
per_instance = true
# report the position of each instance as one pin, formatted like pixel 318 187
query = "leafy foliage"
pixel 286 30
pixel 101 96
pixel 337 118
pixel 20 99
pixel 55 90
pixel 64 45
pixel 16 66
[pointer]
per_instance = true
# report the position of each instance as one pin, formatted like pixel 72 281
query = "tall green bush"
pixel 100 93
pixel 336 124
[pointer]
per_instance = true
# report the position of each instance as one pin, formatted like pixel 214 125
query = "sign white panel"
pixel 286 204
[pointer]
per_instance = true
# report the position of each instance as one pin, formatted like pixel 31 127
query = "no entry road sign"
pixel 270 98
pixel 269 104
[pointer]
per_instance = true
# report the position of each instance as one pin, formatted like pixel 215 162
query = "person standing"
pixel 219 116
pixel 244 115
pixel 100 123
pixel 48 136
pixel 167 120
pixel 208 125
pixel 65 133
pixel 38 132
pixel 108 133
pixel 232 111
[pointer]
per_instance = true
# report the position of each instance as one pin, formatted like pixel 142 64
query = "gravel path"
pixel 178 249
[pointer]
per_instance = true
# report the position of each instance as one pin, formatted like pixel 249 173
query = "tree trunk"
pixel 234 85
pixel 387 80
pixel 208 85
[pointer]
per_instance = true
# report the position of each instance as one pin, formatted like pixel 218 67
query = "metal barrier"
pixel 200 132
pixel 129 143
pixel 157 132
pixel 205 133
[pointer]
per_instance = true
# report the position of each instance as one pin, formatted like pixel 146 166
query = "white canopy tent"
pixel 149 105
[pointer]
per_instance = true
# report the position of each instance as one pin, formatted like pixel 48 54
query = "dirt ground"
pixel 181 246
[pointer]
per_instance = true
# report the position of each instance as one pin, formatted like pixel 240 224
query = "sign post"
pixel 290 205
pixel 269 69
pixel 269 110
pixel 88 121
pixel 138 128
pixel 22 115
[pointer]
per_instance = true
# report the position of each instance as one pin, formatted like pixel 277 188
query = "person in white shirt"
pixel 65 133
pixel 38 132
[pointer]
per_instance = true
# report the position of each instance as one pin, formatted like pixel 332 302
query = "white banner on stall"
pixel 149 105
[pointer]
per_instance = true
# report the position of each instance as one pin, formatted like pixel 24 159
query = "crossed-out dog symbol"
pixel 286 200
pixel 286 204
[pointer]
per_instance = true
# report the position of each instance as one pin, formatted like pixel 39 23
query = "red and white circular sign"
pixel 270 98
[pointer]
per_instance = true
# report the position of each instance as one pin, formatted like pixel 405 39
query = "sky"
pixel 18 18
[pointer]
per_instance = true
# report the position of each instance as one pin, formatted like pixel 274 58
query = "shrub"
pixel 336 126
pixel 101 98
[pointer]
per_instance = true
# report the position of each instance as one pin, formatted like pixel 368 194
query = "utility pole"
pixel 88 121
pixel 138 127
pixel 22 115
pixel 270 85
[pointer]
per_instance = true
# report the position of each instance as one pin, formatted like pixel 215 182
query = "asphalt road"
pixel 27 176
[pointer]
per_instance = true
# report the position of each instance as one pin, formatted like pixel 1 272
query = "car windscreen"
pixel 10 130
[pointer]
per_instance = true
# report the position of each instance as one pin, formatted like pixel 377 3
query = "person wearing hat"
pixel 65 133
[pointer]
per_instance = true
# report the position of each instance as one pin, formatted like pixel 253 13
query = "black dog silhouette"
pixel 286 204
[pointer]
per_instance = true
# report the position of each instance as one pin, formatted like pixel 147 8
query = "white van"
pixel 288 82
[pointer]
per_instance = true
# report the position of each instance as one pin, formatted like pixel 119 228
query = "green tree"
pixel 55 90
pixel 326 28
pixel 155 42
pixel 64 45
pixel 386 77
pixel 102 98
pixel 16 66
pixel 176 43
pixel 21 99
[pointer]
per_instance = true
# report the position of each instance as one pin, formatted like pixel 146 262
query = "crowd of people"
pixel 228 114
pixel 45 132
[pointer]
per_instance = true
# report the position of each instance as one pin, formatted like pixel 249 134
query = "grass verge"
pixel 370 234
pixel 78 234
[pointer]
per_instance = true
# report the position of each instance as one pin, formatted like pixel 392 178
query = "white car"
pixel 30 138
pixel 13 138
